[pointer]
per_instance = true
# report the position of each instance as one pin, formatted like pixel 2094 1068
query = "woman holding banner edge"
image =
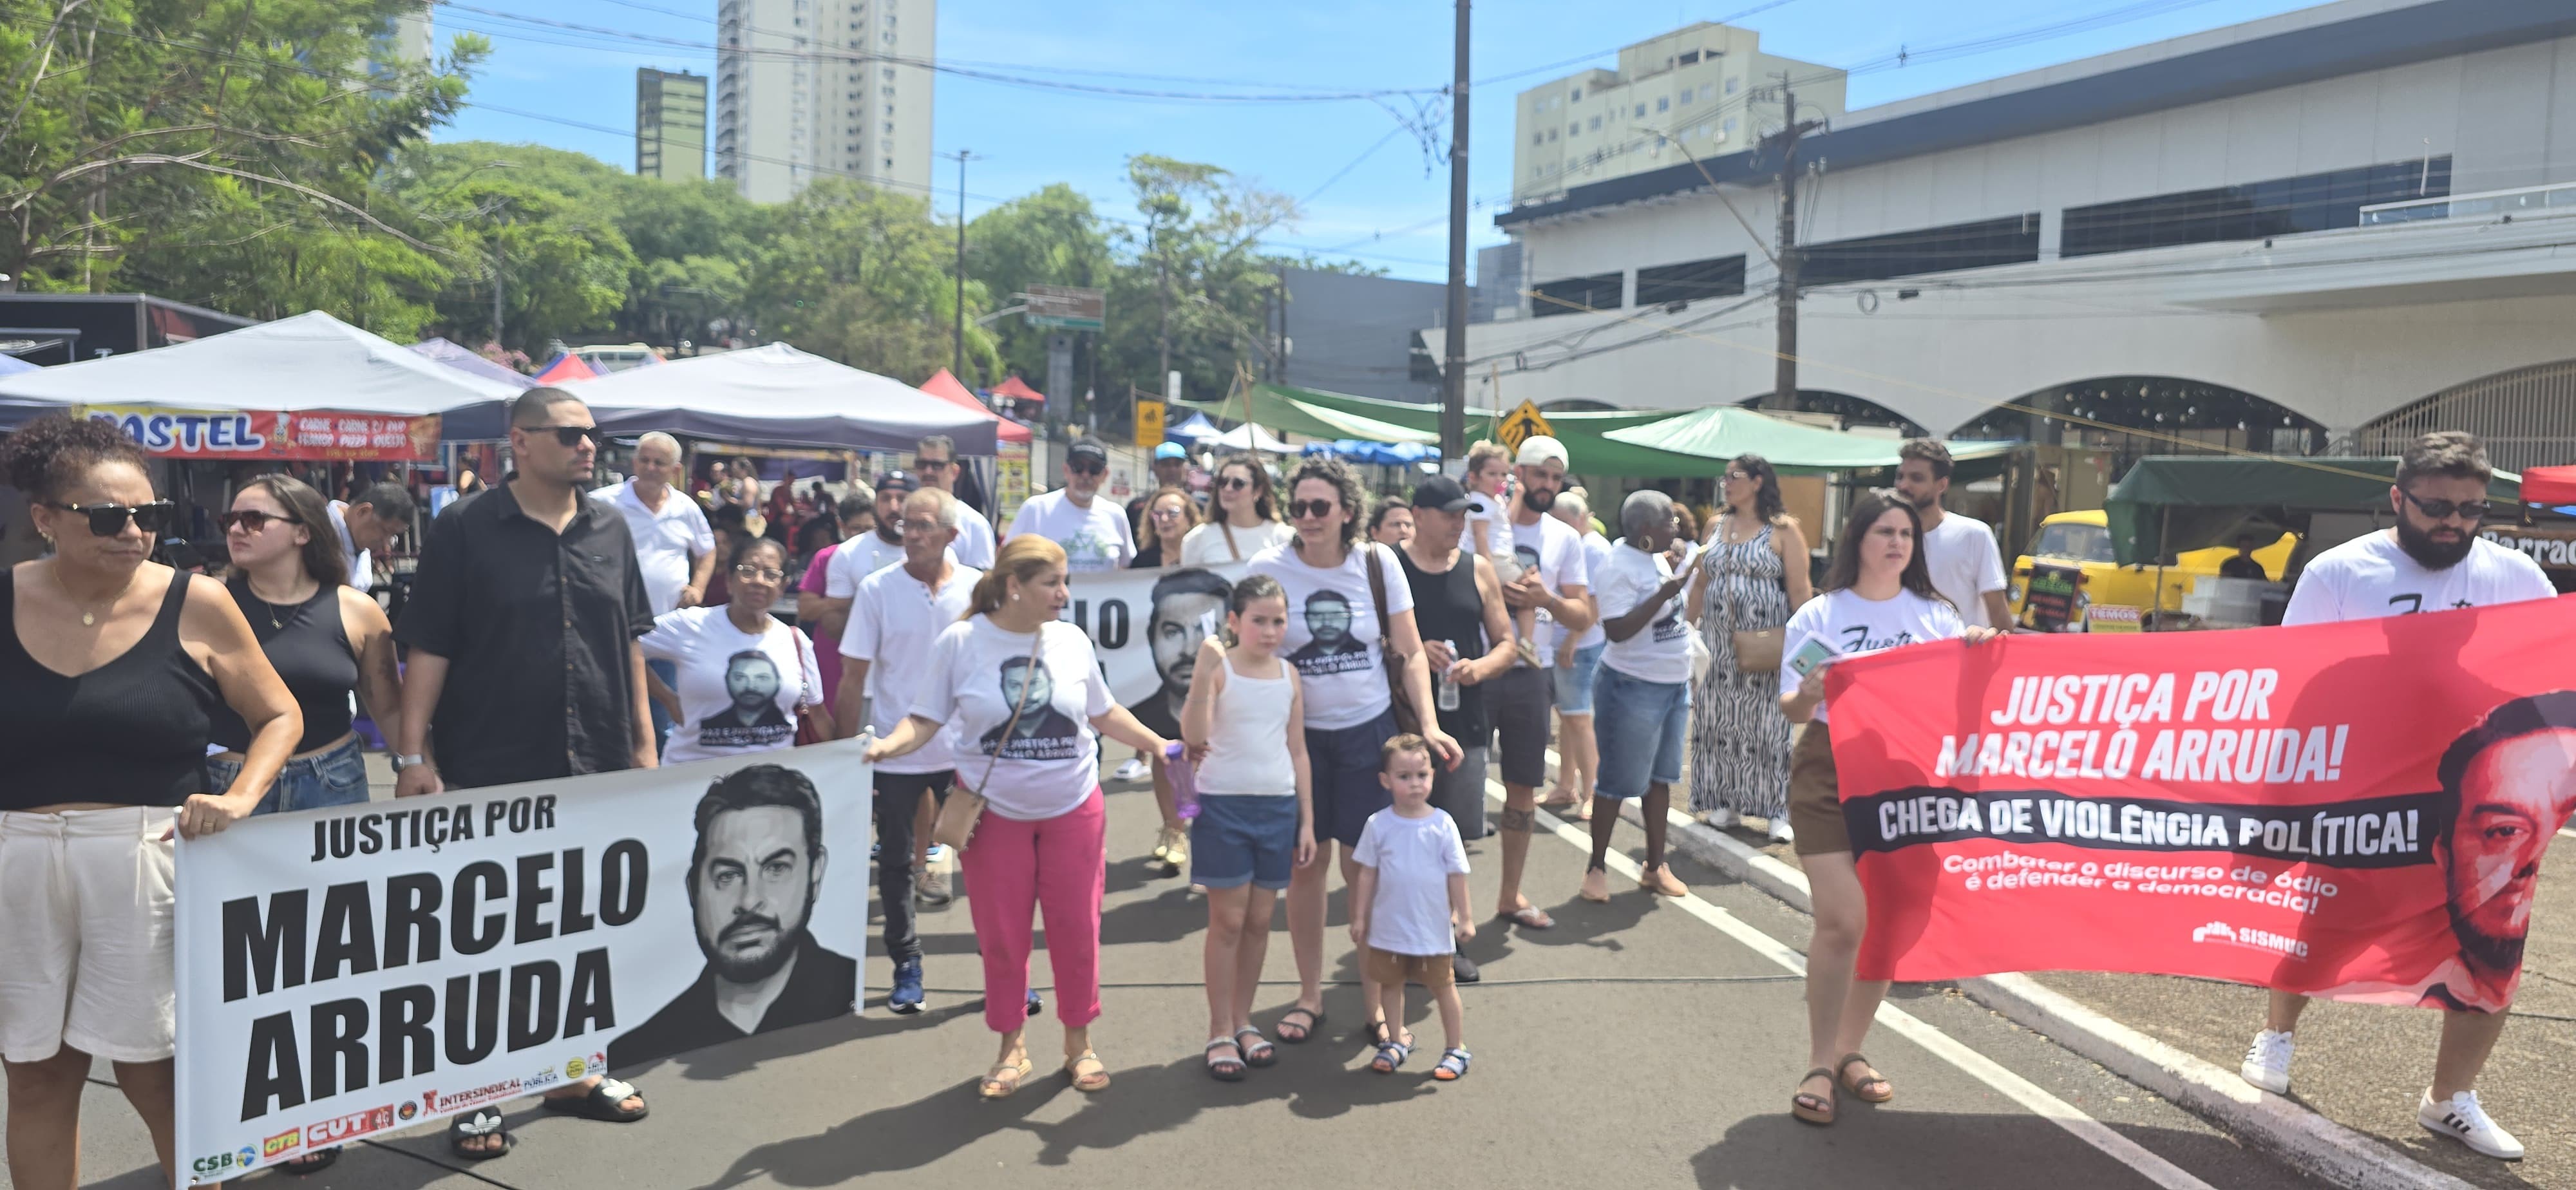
pixel 1878 596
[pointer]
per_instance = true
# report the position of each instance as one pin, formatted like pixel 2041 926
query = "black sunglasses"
pixel 108 520
pixel 1085 467
pixel 931 464
pixel 251 520
pixel 1318 509
pixel 569 436
pixel 1235 482
pixel 2471 510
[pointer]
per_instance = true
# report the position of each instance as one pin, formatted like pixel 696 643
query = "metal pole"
pixel 1784 375
pixel 958 368
pixel 1453 361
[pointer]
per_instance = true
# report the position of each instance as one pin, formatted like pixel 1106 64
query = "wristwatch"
pixel 406 760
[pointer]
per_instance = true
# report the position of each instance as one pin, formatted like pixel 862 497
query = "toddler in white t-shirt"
pixel 1409 906
pixel 1489 531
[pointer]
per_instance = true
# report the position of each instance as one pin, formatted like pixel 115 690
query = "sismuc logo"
pixel 2216 929
pixel 574 1068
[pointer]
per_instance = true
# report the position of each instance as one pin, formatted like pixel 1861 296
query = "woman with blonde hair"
pixel 1023 693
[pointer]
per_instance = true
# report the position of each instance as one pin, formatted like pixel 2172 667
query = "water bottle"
pixel 1449 684
pixel 1185 780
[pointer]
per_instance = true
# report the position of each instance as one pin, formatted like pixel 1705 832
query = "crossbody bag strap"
pixel 1230 547
pixel 1377 593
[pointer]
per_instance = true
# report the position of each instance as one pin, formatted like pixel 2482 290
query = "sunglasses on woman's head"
pixel 569 436
pixel 1317 509
pixel 108 520
pixel 251 520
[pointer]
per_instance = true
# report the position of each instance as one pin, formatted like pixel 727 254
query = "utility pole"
pixel 1453 352
pixel 1784 380
pixel 958 358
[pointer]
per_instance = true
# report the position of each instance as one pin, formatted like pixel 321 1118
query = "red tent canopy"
pixel 563 367
pixel 2549 485
pixel 945 386
pixel 1018 390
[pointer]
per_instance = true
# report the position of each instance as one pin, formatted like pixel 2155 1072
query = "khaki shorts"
pixel 1815 795
pixel 1387 967
pixel 85 936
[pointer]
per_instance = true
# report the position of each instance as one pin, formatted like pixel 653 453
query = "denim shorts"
pixel 337 777
pixel 1240 839
pixel 1641 728
pixel 1345 763
pixel 1574 682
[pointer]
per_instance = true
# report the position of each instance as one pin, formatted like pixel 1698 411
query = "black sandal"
pixel 1258 1054
pixel 605 1103
pixel 1225 1070
pixel 1314 1023
pixel 474 1126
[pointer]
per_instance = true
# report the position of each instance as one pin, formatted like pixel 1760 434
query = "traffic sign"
pixel 1520 424
pixel 1067 307
pixel 1149 424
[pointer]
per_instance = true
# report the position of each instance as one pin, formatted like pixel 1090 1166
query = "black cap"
pixel 1087 446
pixel 898 481
pixel 1440 493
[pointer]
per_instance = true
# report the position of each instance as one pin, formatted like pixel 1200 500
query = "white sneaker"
pixel 1722 818
pixel 930 888
pixel 2464 1121
pixel 1780 832
pixel 1134 770
pixel 2267 1062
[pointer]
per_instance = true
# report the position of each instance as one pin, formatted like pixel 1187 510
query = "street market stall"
pixel 456 356
pixel 776 395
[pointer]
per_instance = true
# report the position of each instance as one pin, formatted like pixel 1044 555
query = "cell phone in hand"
pixel 1810 656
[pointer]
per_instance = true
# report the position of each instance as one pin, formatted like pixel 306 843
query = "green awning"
pixel 1717 435
pixel 1365 429
pixel 1321 414
pixel 2171 503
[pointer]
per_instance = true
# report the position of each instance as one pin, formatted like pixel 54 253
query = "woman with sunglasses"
pixel 1168 513
pixel 111 675
pixel 745 676
pixel 1241 519
pixel 1339 589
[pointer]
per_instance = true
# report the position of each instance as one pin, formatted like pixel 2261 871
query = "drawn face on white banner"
pixel 754 889
pixel 1189 605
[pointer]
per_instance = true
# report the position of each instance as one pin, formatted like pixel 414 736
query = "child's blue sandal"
pixel 1452 1067
pixel 1391 1056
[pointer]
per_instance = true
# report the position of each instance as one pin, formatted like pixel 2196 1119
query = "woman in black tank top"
pixel 110 675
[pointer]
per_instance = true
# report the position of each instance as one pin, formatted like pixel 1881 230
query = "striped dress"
pixel 1739 758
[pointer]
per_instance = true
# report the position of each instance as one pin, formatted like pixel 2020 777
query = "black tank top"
pixel 130 733
pixel 1448 607
pixel 308 644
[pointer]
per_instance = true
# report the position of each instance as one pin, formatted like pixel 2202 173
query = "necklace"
pixel 89 617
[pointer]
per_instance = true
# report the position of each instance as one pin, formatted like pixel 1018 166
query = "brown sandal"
pixel 1811 1107
pixel 1861 1089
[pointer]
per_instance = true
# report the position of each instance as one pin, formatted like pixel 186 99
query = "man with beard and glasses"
pixel 2433 560
pixel 753 883
pixel 1967 566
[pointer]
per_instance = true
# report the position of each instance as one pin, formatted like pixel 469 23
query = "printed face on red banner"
pixel 2355 810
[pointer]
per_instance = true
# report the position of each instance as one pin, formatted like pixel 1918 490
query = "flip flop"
pixel 1314 1022
pixel 997 1086
pixel 604 1102
pixel 1528 917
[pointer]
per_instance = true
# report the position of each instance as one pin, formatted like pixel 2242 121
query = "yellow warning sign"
pixel 1518 425
pixel 1149 424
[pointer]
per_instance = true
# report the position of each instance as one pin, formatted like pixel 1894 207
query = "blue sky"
pixel 1387 208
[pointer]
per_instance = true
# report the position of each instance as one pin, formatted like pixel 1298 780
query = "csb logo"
pixel 207 1167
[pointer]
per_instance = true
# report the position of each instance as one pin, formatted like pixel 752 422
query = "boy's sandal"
pixel 605 1102
pixel 1527 917
pixel 1005 1078
pixel 1391 1056
pixel 1088 1081
pixel 1874 1089
pixel 1225 1070
pixel 1314 1022
pixel 1810 1106
pixel 1452 1067
pixel 1260 1053
pixel 474 1126
pixel 311 1162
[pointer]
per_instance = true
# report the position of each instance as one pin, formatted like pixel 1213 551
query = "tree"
pixel 862 275
pixel 1197 289
pixel 1051 237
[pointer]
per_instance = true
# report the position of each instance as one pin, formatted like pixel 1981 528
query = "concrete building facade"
pixel 670 125
pixel 806 89
pixel 1691 89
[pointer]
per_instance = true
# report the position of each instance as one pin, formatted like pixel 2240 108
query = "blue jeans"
pixel 669 672
pixel 1641 726
pixel 1573 687
pixel 336 777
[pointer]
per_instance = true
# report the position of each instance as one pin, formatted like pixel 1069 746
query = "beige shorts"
pixel 1387 967
pixel 85 938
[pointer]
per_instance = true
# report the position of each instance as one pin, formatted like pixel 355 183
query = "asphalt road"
pixel 1640 1043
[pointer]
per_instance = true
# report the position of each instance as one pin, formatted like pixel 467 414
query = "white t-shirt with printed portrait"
pixel 2372 576
pixel 1414 858
pixel 1660 651
pixel 1965 564
pixel 1856 627
pixel 1051 762
pixel 1332 630
pixel 723 670
pixel 894 621
pixel 1555 551
pixel 1095 539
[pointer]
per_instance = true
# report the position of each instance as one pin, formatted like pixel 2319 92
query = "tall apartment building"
pixel 1690 89
pixel 670 125
pixel 808 89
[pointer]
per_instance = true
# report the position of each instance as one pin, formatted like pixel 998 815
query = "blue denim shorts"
pixel 337 777
pixel 1346 790
pixel 1642 730
pixel 1240 839
pixel 1574 682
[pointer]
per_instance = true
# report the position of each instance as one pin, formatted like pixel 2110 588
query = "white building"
pixel 1692 87
pixel 2339 226
pixel 823 88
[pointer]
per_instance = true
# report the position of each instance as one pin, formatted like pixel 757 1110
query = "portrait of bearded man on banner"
pixel 1187 607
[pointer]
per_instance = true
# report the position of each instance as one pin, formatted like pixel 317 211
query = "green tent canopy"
pixel 2167 504
pixel 1720 433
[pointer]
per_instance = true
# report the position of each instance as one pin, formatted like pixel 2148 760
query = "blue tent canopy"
pixel 1189 432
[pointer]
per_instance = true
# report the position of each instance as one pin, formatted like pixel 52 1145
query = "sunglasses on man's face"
pixel 1080 467
pixel 2468 510
pixel 1312 509
pixel 251 520
pixel 932 464
pixel 108 520
pixel 569 436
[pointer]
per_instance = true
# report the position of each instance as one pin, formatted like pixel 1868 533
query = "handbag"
pixel 1756 651
pixel 808 706
pixel 1408 719
pixel 964 808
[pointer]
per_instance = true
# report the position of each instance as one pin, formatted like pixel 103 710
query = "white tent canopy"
pixel 310 361
pixel 1249 437
pixel 777 394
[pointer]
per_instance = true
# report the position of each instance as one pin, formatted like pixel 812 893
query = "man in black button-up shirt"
pixel 522 626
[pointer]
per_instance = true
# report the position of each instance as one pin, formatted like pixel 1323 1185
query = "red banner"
pixel 2353 810
pixel 249 436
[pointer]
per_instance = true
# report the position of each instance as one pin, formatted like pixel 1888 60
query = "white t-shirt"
pixel 1596 554
pixel 1660 651
pixel 1205 545
pixel 894 618
pixel 2372 576
pixel 1965 564
pixel 1553 547
pixel 1414 858
pixel 1487 511
pixel 974 544
pixel 858 558
pixel 1343 676
pixel 1095 539
pixel 1856 627
pixel 977 673
pixel 665 539
pixel 362 568
pixel 723 669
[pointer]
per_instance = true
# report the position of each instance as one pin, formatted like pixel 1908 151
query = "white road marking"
pixel 2570 833
pixel 1986 1070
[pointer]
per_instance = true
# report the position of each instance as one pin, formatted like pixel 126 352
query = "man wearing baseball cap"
pixel 1093 532
pixel 1556 580
pixel 1172 466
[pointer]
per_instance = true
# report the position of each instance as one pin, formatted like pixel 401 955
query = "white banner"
pixel 349 971
pixel 1146 626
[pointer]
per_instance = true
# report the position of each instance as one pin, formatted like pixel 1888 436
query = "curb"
pixel 2302 1138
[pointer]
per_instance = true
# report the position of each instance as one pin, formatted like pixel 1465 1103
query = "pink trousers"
pixel 1016 869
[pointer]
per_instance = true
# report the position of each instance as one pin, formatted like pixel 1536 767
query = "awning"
pixel 1722 433
pixel 778 395
pixel 456 356
pixel 1250 437
pixel 2171 503
pixel 945 385
pixel 1190 431
pixel 564 368
pixel 2549 485
pixel 1017 390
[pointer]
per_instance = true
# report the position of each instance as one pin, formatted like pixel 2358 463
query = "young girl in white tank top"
pixel 1244 726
